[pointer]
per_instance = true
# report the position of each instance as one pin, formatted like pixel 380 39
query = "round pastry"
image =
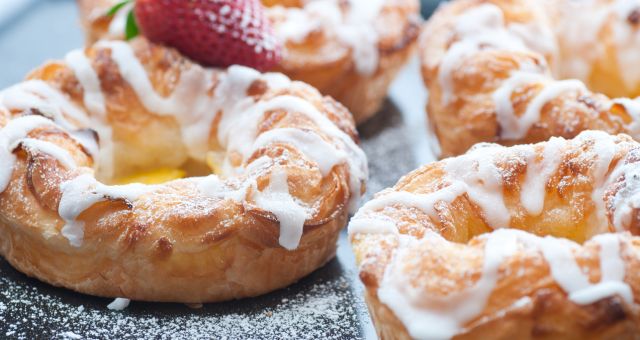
pixel 500 71
pixel 286 161
pixel 350 50
pixel 503 242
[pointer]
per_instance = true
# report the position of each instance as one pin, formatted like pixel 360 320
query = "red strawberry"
pixel 212 32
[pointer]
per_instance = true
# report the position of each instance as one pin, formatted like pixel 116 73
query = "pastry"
pixel 529 241
pixel 521 71
pixel 286 161
pixel 350 50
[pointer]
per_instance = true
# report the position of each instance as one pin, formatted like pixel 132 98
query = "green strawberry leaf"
pixel 113 10
pixel 131 30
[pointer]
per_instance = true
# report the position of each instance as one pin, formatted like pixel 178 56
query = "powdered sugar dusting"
pixel 324 305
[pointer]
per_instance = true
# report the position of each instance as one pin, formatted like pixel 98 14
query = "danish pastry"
pixel 350 50
pixel 508 243
pixel 500 71
pixel 286 159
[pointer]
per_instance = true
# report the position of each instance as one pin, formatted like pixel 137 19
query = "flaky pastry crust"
pixel 194 240
pixel 450 253
pixel 319 57
pixel 493 69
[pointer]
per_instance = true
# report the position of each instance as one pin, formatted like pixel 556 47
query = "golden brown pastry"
pixel 350 50
pixel 501 70
pixel 530 241
pixel 286 160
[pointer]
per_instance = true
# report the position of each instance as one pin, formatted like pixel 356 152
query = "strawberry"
pixel 212 32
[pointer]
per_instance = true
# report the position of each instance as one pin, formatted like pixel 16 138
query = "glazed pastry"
pixel 350 50
pixel 529 241
pixel 502 71
pixel 286 161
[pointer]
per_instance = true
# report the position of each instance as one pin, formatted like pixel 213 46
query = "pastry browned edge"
pixel 320 58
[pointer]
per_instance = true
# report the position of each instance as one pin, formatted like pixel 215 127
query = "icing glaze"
pixel 533 189
pixel 60 154
pixel 443 316
pixel 292 215
pixel 354 27
pixel 81 193
pixel 11 134
pixel 476 29
pixel 194 106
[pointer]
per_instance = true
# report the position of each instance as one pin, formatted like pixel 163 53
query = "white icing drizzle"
pixel 473 174
pixel 478 28
pixel 354 28
pixel 81 193
pixel 119 304
pixel 364 225
pixel 533 189
pixel 505 115
pixel 604 150
pixel 309 143
pixel 194 110
pixel 429 316
pixel 93 96
pixel 11 134
pixel 514 127
pixel 424 202
pixel 292 215
pixel 237 132
pixel 484 182
pixel 36 94
pixel 94 101
pixel 60 154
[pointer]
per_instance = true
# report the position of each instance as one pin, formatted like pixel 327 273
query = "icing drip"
pixel 424 202
pixel 505 115
pixel 194 109
pixel 513 127
pixel 81 193
pixel 484 182
pixel 50 149
pixel 355 28
pixel 238 132
pixel 429 316
pixel 364 225
pixel 38 95
pixel 533 189
pixel 309 143
pixel 476 29
pixel 187 104
pixel 94 101
pixel 11 135
pixel 276 199
pixel 604 151
pixel 81 66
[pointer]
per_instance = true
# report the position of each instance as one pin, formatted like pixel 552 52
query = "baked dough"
pixel 287 165
pixel 530 241
pixel 350 50
pixel 503 70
